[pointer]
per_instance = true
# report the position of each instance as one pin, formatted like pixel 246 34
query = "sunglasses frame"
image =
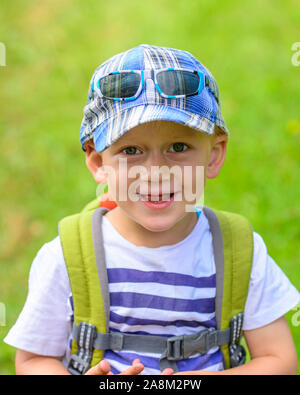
pixel 204 81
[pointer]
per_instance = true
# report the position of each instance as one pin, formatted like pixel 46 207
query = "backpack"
pixel 232 238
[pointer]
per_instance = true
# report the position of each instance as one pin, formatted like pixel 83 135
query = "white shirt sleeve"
pixel 271 295
pixel 43 326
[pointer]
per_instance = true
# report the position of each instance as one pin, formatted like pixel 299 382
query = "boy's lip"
pixel 156 197
pixel 159 204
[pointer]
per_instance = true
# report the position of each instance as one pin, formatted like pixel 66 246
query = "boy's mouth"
pixel 157 198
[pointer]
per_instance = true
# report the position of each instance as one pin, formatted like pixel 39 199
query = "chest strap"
pixel 172 349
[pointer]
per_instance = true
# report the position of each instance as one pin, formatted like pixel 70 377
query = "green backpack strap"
pixel 78 246
pixel 233 250
pixel 92 205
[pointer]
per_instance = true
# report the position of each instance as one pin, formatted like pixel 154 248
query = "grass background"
pixel 52 48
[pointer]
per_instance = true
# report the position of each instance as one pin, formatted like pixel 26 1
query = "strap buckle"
pixel 182 347
pixel 85 337
pixel 237 355
pixel 175 349
pixel 78 365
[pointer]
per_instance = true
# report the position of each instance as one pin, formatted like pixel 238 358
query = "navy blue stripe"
pixel 132 321
pixel 135 300
pixel 142 333
pixel 139 276
pixel 166 335
pixel 114 371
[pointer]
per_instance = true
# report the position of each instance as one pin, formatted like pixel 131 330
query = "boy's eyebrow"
pixel 183 137
pixel 171 136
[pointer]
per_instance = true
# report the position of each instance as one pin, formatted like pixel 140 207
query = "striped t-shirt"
pixel 165 291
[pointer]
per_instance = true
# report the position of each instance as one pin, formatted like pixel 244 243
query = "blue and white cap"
pixel 105 120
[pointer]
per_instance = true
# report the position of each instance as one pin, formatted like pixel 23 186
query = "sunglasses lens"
pixel 178 82
pixel 120 85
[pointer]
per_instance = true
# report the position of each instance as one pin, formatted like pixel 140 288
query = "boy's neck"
pixel 140 236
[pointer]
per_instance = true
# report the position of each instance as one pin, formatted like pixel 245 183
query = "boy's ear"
pixel 93 160
pixel 217 155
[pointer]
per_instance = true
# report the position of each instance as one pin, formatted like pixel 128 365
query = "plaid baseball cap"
pixel 105 120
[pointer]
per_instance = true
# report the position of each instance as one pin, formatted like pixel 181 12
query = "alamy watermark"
pixel 2 54
pixel 296 316
pixel 2 314
pixel 158 184
pixel 296 56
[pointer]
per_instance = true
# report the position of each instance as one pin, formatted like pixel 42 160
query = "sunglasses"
pixel 171 83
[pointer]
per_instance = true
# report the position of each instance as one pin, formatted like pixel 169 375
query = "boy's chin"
pixel 156 227
pixel 155 221
pixel 158 224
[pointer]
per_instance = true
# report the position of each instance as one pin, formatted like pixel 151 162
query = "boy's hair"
pixel 108 117
pixel 218 131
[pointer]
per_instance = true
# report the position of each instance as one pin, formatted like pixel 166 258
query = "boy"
pixel 152 107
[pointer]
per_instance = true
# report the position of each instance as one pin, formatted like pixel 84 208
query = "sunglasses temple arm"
pixel 211 88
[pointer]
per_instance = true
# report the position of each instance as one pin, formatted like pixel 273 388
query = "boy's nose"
pixel 155 159
pixel 157 173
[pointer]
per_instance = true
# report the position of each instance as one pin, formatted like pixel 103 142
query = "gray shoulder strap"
pixel 217 241
pixel 100 259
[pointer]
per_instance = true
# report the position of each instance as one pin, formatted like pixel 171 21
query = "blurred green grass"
pixel 52 48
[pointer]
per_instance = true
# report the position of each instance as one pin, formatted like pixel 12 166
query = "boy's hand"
pixel 103 368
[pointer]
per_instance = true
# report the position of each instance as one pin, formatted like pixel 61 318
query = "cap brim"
pixel 113 128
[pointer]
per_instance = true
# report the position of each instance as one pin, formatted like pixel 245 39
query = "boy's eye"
pixel 131 150
pixel 178 147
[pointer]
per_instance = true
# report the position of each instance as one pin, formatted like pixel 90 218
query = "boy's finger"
pixel 135 369
pixel 167 371
pixel 102 368
pixel 136 361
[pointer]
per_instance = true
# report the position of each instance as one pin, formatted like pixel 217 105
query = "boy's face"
pixel 156 172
